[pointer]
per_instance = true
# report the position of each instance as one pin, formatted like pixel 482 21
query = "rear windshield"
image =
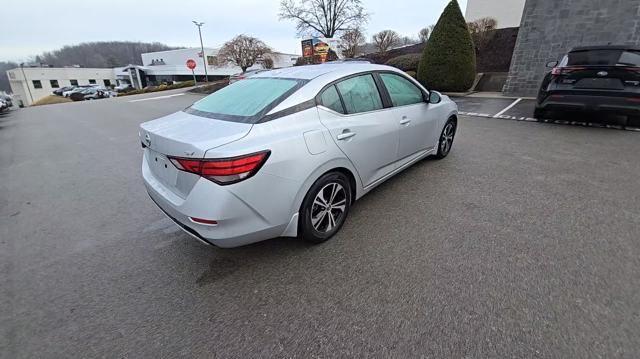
pixel 604 58
pixel 246 100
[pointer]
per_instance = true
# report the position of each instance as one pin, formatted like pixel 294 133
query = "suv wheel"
pixel 325 207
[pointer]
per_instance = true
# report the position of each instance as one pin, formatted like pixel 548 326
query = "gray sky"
pixel 29 27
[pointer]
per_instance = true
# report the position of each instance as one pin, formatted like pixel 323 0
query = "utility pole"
pixel 204 60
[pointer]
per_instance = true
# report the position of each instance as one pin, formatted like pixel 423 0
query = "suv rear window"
pixel 246 100
pixel 604 58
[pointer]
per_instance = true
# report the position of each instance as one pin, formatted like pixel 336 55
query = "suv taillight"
pixel 557 71
pixel 223 171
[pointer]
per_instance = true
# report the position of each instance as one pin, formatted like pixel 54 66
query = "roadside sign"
pixel 191 64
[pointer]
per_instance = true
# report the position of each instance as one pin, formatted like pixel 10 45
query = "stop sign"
pixel 191 64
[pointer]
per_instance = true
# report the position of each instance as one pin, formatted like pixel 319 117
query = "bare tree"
pixel 326 17
pixel 481 31
pixel 243 51
pixel 385 39
pixel 351 40
pixel 423 35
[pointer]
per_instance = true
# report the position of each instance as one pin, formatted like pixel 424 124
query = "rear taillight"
pixel 223 171
pixel 557 71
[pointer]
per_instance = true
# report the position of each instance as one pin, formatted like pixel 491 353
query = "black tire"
pixel 448 134
pixel 316 227
pixel 539 115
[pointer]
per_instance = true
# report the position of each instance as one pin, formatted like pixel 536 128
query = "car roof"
pixel 606 47
pixel 309 72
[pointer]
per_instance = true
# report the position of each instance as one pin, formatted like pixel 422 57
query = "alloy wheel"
pixel 446 140
pixel 328 207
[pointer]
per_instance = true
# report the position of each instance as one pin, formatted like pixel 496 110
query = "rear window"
pixel 604 58
pixel 246 100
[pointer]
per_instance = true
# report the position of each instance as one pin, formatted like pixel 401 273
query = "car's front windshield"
pixel 245 100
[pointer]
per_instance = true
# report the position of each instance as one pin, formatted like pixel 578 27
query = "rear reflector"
pixel 206 222
pixel 223 171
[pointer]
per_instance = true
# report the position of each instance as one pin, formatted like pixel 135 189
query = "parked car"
pixel 287 152
pixel 61 90
pixel 77 89
pixel 3 105
pixel 91 93
pixel 596 79
pixel 123 87
pixel 8 100
pixel 244 75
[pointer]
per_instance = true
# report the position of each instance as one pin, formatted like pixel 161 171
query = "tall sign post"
pixel 191 64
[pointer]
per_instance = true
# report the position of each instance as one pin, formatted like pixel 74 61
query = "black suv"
pixel 596 79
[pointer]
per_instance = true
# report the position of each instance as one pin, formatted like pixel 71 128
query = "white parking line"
pixel 157 98
pixel 507 108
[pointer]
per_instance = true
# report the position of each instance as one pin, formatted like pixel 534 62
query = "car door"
pixel 418 125
pixel 353 111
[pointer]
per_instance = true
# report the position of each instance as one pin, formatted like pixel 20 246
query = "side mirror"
pixel 552 64
pixel 434 97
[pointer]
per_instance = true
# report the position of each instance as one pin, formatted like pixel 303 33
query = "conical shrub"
pixel 449 61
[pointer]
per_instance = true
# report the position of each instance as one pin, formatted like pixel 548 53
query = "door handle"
pixel 345 135
pixel 405 120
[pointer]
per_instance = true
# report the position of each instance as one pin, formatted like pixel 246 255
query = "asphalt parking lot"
pixel 523 243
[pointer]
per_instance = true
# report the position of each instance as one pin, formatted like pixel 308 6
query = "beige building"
pixel 29 84
pixel 508 13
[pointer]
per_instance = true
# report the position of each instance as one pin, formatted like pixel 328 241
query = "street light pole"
pixel 204 60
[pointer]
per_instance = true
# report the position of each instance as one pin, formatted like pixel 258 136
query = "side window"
pixel 331 99
pixel 74 82
pixel 401 90
pixel 92 81
pixel 37 84
pixel 360 94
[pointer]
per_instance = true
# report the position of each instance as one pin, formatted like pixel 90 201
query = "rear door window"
pixel 331 99
pixel 360 94
pixel 401 90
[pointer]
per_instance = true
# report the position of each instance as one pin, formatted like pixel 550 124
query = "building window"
pixel 37 84
pixel 74 82
pixel 107 82
pixel 54 84
pixel 92 81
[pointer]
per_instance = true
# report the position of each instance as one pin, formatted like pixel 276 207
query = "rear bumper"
pixel 239 222
pixel 596 104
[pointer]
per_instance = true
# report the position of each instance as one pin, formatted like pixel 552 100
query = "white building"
pixel 508 13
pixel 29 84
pixel 171 65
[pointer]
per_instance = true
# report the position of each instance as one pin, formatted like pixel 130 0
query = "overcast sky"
pixel 29 27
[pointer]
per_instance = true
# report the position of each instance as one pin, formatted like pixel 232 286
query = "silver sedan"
pixel 287 152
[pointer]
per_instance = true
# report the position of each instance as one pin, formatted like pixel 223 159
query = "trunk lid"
pixel 185 135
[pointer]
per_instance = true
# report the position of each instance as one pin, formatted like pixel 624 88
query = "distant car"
pixel 3 105
pixel 287 152
pixel 61 90
pixel 244 75
pixel 91 93
pixel 596 79
pixel 8 100
pixel 78 89
pixel 123 87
